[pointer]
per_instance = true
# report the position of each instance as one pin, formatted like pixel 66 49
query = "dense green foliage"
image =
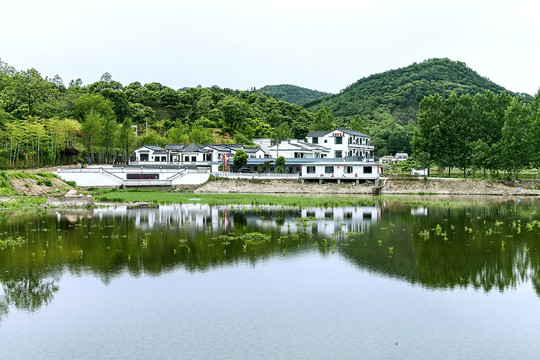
pixel 388 102
pixel 240 158
pixel 485 131
pixel 292 94
pixel 44 122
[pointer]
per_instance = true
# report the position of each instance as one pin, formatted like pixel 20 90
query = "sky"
pixel 240 44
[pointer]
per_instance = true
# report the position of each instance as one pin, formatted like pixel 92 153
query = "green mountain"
pixel 292 94
pixel 398 92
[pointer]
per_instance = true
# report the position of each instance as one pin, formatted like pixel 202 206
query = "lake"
pixel 400 279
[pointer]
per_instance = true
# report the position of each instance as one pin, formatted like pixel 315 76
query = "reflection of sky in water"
pixel 324 221
pixel 463 297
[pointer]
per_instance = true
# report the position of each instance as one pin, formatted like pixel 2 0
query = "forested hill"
pixel 292 94
pixel 44 121
pixel 397 93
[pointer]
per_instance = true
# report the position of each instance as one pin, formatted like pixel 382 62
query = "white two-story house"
pixel 298 149
pixel 343 143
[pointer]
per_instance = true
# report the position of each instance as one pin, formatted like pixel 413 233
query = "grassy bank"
pixel 161 197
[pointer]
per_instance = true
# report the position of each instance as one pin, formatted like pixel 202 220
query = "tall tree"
pixel 109 130
pixel 29 88
pixel 516 137
pixel 324 120
pixel 427 137
pixel 92 103
pixel 91 128
pixel 357 124
pixel 126 139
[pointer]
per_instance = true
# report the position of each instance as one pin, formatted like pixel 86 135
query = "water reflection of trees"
pixel 27 290
pixel 480 247
pixel 387 240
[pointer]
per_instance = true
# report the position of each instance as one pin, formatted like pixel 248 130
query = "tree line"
pixel 46 122
pixel 486 131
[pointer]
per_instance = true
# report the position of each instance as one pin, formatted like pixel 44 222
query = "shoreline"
pixel 439 186
pixel 287 188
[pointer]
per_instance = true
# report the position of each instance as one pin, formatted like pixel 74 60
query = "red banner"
pixel 226 162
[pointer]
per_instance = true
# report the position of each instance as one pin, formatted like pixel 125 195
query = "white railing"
pixel 147 182
pixel 233 175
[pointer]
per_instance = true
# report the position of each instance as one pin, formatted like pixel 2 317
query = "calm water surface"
pixel 213 282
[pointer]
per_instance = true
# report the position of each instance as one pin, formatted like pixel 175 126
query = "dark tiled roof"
pixel 218 147
pixel 193 148
pixel 174 147
pixel 154 147
pixel 251 150
pixel 353 132
pixel 317 133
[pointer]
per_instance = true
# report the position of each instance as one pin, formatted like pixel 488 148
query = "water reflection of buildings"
pixel 171 216
pixel 323 221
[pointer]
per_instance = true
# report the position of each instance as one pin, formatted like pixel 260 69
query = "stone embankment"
pixel 431 186
pixel 72 199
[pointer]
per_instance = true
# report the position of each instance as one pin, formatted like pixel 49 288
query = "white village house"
pixel 298 149
pixel 343 143
pixel 177 154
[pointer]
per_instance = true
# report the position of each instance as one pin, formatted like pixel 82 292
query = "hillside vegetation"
pixel 45 122
pixel 400 91
pixel 388 102
pixel 292 94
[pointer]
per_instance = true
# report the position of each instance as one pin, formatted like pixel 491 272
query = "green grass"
pixel 21 202
pixel 5 186
pixel 160 197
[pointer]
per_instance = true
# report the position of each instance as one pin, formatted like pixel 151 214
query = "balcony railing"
pixel 234 175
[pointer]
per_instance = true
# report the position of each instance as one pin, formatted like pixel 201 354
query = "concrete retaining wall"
pixel 99 179
pixel 88 179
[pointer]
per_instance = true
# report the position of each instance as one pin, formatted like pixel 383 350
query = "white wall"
pixel 191 179
pixel 88 179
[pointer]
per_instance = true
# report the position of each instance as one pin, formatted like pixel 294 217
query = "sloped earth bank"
pixel 431 186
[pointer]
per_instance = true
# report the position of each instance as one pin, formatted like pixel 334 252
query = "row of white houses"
pixel 336 144
pixel 190 154
pixel 341 155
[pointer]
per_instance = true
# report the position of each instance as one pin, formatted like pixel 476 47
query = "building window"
pixel 310 169
pixel 338 154
pixel 325 141
pixel 368 169
pixel 315 140
pixel 338 140
pixel 350 140
pixel 329 169
pixel 348 169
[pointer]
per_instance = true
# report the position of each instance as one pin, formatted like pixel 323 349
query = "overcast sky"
pixel 323 45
